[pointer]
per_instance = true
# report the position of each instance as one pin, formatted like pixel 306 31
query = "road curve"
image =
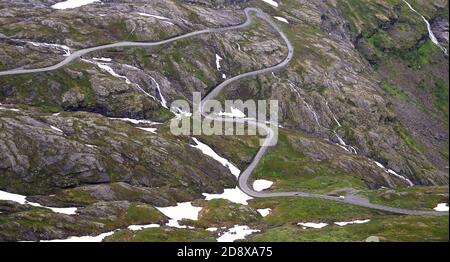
pixel 245 175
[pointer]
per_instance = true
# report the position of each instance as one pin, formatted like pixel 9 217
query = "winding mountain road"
pixel 268 141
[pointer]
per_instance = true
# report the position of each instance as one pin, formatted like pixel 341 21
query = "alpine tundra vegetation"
pixel 87 152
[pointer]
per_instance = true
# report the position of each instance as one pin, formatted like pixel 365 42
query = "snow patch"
pixel 210 152
pixel 148 129
pixel 442 207
pixel 232 194
pixel 181 211
pixel 218 59
pixel 271 2
pixel 282 19
pixel 21 199
pixel 341 224
pixel 430 32
pixel 236 232
pixel 135 121
pixel 72 4
pixel 392 172
pixel 8 109
pixel 98 238
pixel 264 211
pixel 56 129
pixel 140 227
pixel 313 225
pixel 103 59
pixel 261 184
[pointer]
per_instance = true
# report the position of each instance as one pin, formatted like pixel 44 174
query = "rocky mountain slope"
pixel 366 84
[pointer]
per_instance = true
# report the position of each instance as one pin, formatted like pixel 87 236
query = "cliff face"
pixel 366 83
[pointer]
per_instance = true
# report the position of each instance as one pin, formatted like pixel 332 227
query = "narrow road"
pixel 268 141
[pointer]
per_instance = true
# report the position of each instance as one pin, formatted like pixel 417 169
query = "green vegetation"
pixel 387 228
pixel 221 212
pixel 291 210
pixel 392 89
pixel 441 93
pixel 161 235
pixel 408 139
pixel 417 197
pixel 291 169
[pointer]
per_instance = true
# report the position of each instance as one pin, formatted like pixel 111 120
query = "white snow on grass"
pixel 140 227
pixel 261 184
pixel 235 233
pixel 148 129
pixel 234 113
pixel 210 152
pixel 98 238
pixel 264 211
pixel 313 225
pixel 212 229
pixel 282 19
pixel 181 211
pixel 442 207
pixel 271 2
pixel 218 59
pixel 72 4
pixel 56 129
pixel 21 199
pixel 341 224
pixel 234 195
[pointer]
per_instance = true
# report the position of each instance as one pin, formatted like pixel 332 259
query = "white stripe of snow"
pixel 313 225
pixel 140 227
pixel 98 238
pixel 8 109
pixel 64 48
pixel 111 71
pixel 271 2
pixel 103 59
pixel 135 121
pixel 392 172
pixel 430 32
pixel 163 100
pixel 56 129
pixel 218 59
pixel 21 199
pixel 148 129
pixel 341 224
pixel 210 152
pixel 154 16
pixel 72 4
pixel 282 19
